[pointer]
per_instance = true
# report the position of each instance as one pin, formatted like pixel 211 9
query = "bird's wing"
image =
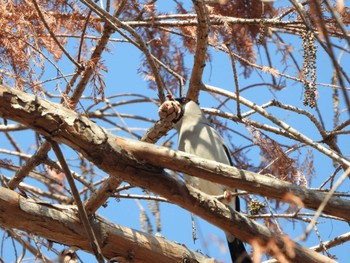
pixel 197 137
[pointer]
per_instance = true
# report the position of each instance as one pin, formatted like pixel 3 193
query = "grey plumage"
pixel 197 137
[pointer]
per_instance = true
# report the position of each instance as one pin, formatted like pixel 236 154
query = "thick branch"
pixel 232 176
pixel 201 50
pixel 61 224
pixel 127 160
pixel 99 197
pixel 80 133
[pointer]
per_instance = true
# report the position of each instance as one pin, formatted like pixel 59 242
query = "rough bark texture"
pixel 61 224
pixel 232 176
pixel 126 159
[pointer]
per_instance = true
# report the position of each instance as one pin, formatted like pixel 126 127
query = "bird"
pixel 196 136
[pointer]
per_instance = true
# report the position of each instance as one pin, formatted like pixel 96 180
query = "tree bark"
pixel 128 160
pixel 231 176
pixel 61 224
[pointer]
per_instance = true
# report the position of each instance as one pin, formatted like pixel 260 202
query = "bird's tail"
pixel 236 246
pixel 238 252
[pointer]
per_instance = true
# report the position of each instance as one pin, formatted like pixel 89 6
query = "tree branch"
pixel 130 161
pixel 61 224
pixel 117 24
pixel 30 164
pixel 81 209
pixel 201 50
pixel 299 136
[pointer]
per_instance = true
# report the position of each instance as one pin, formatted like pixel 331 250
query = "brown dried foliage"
pixel 242 36
pixel 161 45
pixel 171 52
pixel 259 250
pixel 275 161
pixel 325 18
pixel 24 38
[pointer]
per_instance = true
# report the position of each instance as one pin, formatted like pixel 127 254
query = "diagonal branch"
pixel 30 164
pixel 299 136
pixel 332 243
pixel 134 162
pixel 60 224
pixel 78 132
pixel 89 69
pixel 117 24
pixel 81 209
pixel 100 196
pixel 201 50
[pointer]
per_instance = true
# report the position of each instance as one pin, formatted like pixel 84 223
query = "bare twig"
pixel 324 203
pixel 99 197
pixel 53 35
pixel 250 122
pixel 141 197
pixel 32 162
pixel 235 76
pixel 12 127
pixel 332 243
pixel 321 241
pixel 299 216
pixel 83 35
pixel 82 212
pixel 301 137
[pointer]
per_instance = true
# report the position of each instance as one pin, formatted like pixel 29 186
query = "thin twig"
pixel 268 69
pixel 250 122
pixel 295 216
pixel 289 129
pixel 12 127
pixel 332 243
pixel 83 35
pixel 53 35
pixel 330 177
pixel 32 162
pixel 141 197
pixel 81 209
pixel 321 241
pixel 324 203
pixel 235 77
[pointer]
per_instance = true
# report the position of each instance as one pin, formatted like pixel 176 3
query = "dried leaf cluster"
pixel 247 63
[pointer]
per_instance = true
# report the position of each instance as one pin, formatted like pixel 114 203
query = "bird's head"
pixel 189 108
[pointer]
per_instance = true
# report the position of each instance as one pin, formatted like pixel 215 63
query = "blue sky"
pixel 123 77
